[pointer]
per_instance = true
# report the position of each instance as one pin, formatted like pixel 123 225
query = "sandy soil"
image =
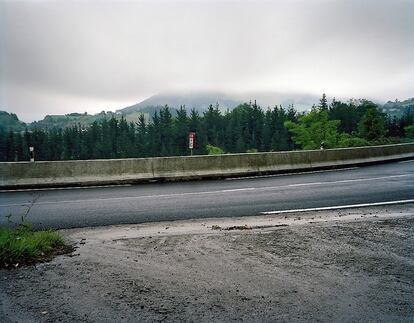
pixel 349 265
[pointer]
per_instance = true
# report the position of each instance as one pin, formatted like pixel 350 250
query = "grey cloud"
pixel 59 56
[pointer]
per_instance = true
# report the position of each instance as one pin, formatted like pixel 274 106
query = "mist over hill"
pixel 398 108
pixel 197 100
pixel 226 101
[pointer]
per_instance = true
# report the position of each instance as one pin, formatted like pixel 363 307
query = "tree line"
pixel 247 128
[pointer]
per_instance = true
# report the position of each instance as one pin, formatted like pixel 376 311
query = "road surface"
pixel 100 206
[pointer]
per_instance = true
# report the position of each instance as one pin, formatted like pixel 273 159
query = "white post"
pixel 31 150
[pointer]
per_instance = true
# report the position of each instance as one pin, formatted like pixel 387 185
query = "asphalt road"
pixel 98 206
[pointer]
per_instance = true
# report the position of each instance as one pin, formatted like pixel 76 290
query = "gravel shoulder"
pixel 343 265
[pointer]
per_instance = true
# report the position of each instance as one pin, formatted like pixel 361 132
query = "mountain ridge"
pixel 226 101
pixel 199 101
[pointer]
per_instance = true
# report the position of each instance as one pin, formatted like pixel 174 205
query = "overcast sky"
pixel 66 56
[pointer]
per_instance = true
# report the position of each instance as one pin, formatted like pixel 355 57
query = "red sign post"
pixel 192 141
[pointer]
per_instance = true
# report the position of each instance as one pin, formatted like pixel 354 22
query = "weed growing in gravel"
pixel 22 245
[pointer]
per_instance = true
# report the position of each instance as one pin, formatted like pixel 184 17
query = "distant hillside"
pixel 68 120
pixel 83 119
pixel 9 121
pixel 398 108
pixel 201 100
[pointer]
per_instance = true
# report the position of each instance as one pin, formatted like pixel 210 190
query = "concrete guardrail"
pixel 114 171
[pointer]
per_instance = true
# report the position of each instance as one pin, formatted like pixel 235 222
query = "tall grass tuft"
pixel 23 245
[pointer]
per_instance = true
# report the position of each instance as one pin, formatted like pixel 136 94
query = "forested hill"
pixel 197 101
pixel 83 119
pixel 10 121
pixel 246 128
pixel 200 101
pixel 398 108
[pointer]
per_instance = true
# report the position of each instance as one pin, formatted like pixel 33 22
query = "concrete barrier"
pixel 113 171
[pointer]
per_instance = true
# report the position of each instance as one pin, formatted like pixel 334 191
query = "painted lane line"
pixel 406 161
pixel 335 182
pixel 266 188
pixel 238 190
pixel 351 180
pixel 308 184
pixel 132 197
pixel 337 207
pixel 290 174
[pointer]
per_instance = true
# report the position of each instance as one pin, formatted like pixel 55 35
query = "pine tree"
pixel 141 137
pixel 181 130
pixel 323 103
pixel 10 147
pixel 168 145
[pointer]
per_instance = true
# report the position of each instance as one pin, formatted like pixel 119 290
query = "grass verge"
pixel 23 246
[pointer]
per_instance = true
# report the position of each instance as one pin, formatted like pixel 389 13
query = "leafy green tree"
pixel 393 127
pixel 372 125
pixel 348 114
pixel 406 120
pixel 409 131
pixel 313 129
pixel 346 140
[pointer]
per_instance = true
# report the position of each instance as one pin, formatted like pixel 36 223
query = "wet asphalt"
pixel 153 202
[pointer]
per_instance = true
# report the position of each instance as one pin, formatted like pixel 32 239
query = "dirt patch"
pixel 45 257
pixel 238 227
pixel 353 265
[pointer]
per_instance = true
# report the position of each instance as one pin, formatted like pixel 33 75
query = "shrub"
pixel 214 150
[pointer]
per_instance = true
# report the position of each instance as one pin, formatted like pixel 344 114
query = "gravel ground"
pixel 346 265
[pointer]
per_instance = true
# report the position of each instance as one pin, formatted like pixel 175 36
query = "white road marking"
pixel 406 161
pixel 307 184
pixel 351 206
pixel 290 174
pixel 239 189
pixel 351 180
pixel 210 192
pixel 133 197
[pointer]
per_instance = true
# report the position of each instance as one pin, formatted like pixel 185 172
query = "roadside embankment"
pixel 344 265
pixel 114 171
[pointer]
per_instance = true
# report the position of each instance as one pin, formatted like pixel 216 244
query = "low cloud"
pixel 62 56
